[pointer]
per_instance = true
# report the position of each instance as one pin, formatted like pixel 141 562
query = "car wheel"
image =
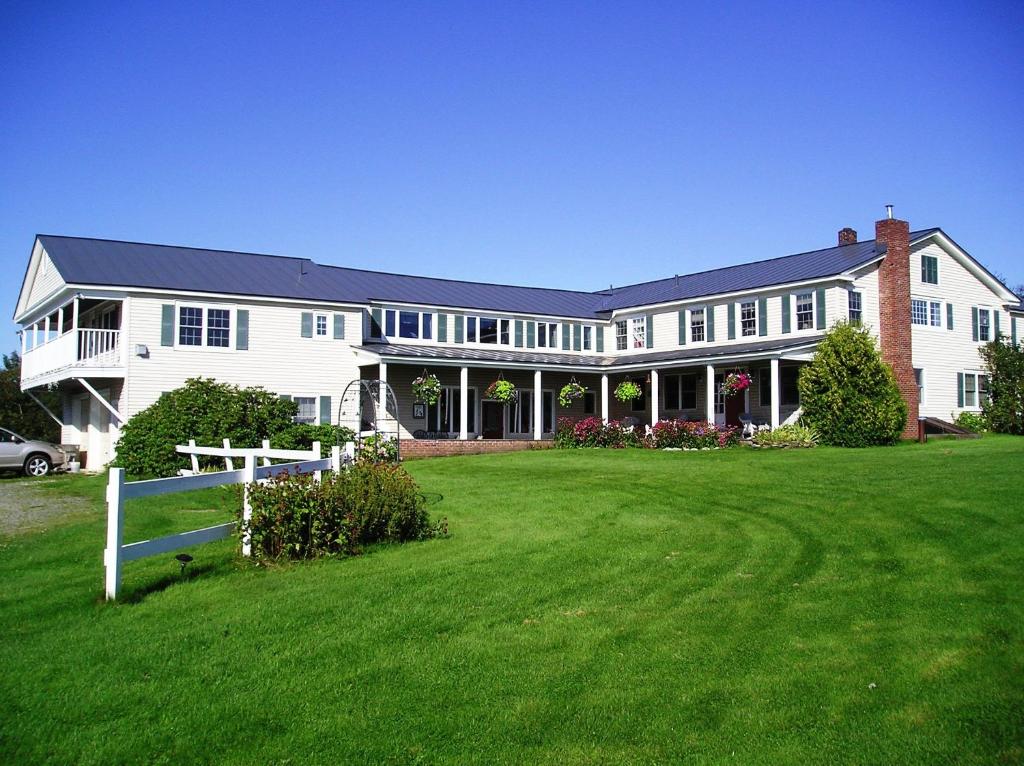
pixel 37 465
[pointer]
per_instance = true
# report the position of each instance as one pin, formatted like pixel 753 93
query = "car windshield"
pixel 10 436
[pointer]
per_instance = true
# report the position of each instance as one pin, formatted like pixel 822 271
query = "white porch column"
pixel 538 407
pixel 35 334
pixel 46 329
pixel 464 403
pixel 654 398
pixel 60 321
pixel 604 398
pixel 22 333
pixel 710 393
pixel 74 315
pixel 776 417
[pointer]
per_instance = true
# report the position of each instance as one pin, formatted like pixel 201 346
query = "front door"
pixel 734 407
pixel 493 417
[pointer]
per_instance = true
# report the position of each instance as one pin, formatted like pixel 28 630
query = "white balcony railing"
pixel 73 350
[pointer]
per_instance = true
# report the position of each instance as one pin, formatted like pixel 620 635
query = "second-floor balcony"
pixel 82 351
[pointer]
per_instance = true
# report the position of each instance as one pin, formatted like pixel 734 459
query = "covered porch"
pixel 683 384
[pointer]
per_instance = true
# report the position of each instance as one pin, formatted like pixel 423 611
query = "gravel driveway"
pixel 26 507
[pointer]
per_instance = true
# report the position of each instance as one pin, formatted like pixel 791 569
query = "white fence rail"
pixel 119 491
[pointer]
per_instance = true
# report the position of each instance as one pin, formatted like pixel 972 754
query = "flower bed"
pixel 786 436
pixel 667 434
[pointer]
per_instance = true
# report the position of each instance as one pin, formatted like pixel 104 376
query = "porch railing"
pixel 81 348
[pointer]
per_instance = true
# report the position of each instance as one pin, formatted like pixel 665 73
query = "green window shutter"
pixel 565 336
pixel 762 316
pixel 1013 330
pixel 519 333
pixel 442 328
pixel 242 330
pixel 600 339
pixel 959 389
pixel 459 328
pixel 819 302
pixel 325 410
pixel 650 331
pixel 785 312
pixel 949 316
pixel 709 330
pixel 996 314
pixel 307 324
pixel 974 322
pixel 531 334
pixel 167 324
pixel 285 397
pixel 339 326
pixel 577 338
pixel 376 327
pixel 732 321
pixel 682 328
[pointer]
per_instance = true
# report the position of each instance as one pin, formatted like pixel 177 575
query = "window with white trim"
pixel 320 325
pixel 409 324
pixel 307 409
pixel 856 308
pixel 639 325
pixel 930 269
pixel 588 333
pixel 919 379
pixel 620 335
pixel 681 392
pixel 748 318
pixel 547 334
pixel 444 415
pixel 697 325
pixel 199 326
pixel 805 311
pixel 984 325
pixel 935 314
pixel 918 311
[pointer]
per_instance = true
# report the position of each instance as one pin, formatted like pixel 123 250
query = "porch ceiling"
pixel 690 355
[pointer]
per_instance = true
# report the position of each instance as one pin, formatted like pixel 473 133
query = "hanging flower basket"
pixel 570 392
pixel 426 388
pixel 502 390
pixel 628 391
pixel 734 383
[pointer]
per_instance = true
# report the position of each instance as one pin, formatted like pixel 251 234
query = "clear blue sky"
pixel 557 144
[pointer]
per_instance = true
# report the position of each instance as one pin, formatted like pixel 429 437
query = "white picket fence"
pixel 119 491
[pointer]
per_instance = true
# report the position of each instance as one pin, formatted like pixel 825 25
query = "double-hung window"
pixel 488 330
pixel 697 325
pixel 204 327
pixel 984 325
pixel 856 308
pixel 748 318
pixel 975 390
pixel 919 311
pixel 930 269
pixel 587 337
pixel 620 335
pixel 805 311
pixel 639 332
pixel 320 325
pixel 681 392
pixel 307 409
pixel 935 314
pixel 408 324
pixel 547 334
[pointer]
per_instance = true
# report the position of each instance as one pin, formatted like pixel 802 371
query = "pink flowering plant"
pixel 675 434
pixel 593 432
pixel 691 434
pixel 734 383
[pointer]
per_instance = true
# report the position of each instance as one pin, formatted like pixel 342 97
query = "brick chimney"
pixel 847 236
pixel 893 235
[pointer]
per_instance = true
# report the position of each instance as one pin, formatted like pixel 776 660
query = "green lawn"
pixel 822 606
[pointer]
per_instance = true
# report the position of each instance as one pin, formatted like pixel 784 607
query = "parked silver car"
pixel 35 458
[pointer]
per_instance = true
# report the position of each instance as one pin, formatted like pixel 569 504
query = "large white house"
pixel 114 324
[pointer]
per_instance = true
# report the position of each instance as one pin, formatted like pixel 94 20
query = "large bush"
pixel 302 436
pixel 206 411
pixel 848 394
pixel 1004 411
pixel 295 517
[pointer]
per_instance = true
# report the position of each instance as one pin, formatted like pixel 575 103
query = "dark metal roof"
pixel 511 356
pixel 132 264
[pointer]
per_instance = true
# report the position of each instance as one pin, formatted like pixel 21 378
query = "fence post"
pixel 315 455
pixel 336 458
pixel 195 460
pixel 249 479
pixel 229 464
pixel 115 531
pixel 266 445
pixel 350 452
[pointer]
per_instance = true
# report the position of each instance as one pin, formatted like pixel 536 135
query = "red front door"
pixel 734 407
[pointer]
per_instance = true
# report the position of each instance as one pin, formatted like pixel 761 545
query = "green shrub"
pixel 1004 410
pixel 593 432
pixel 378 448
pixel 793 435
pixel 848 394
pixel 302 436
pixel 295 517
pixel 691 434
pixel 972 421
pixel 206 411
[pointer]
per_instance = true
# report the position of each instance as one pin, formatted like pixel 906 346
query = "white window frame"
pixel 678 376
pixel 204 309
pixel 859 309
pixel 297 418
pixel 753 320
pixel 919 319
pixel 638 332
pixel 796 311
pixel 934 258
pixel 549 332
pixel 988 325
pixel 976 376
pixel 921 378
pixel 621 339
pixel 317 335
pixel 702 326
pixel 587 343
pixel 471 412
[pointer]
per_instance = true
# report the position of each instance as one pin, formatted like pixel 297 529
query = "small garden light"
pixel 183 559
